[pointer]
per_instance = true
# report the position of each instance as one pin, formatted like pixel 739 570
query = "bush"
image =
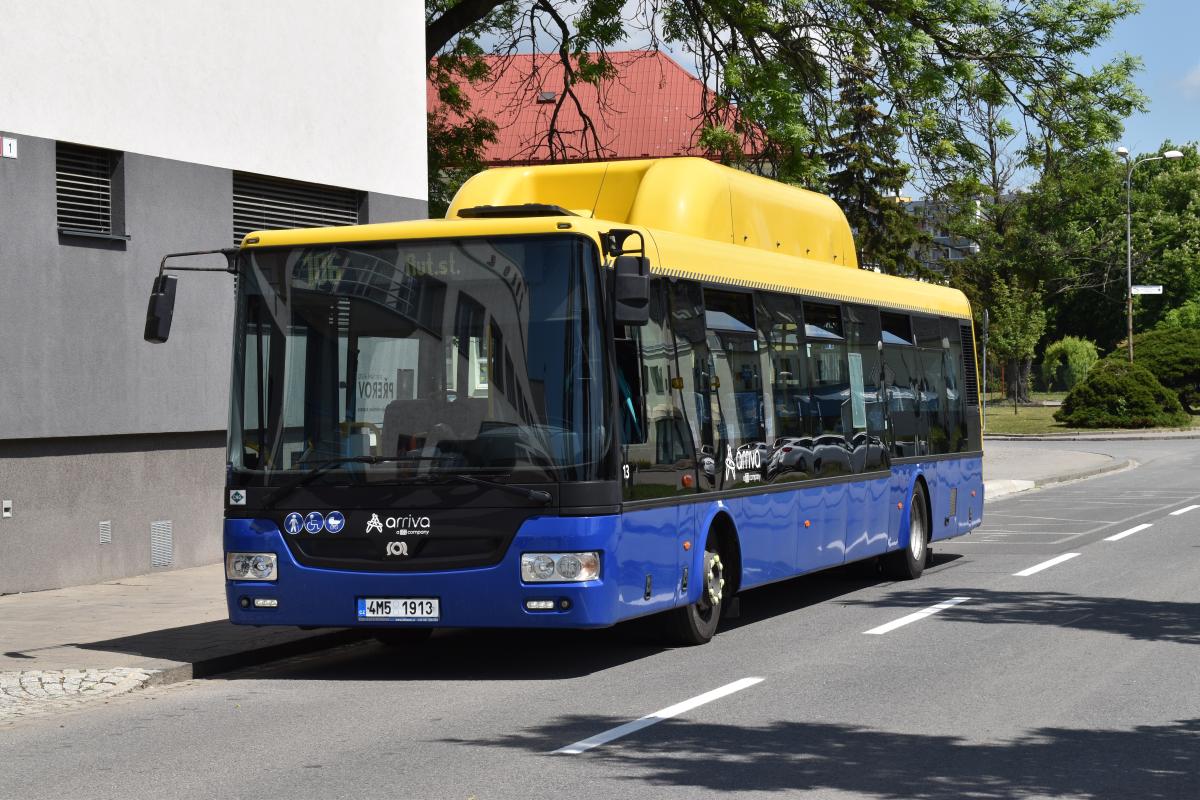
pixel 1173 355
pixel 1185 316
pixel 1117 394
pixel 1067 361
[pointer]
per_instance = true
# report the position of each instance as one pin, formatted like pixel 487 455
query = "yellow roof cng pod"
pixel 713 223
pixel 689 196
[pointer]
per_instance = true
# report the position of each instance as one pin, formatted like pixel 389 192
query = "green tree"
pixel 1066 362
pixel 1184 316
pixel 772 68
pixel 1018 318
pixel 866 176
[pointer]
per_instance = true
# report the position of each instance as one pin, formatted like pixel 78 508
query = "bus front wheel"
pixel 697 623
pixel 909 562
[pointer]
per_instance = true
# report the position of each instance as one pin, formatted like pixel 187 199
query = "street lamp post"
pixel 1123 152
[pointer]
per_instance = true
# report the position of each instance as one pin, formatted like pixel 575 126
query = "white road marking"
pixel 1025 573
pixel 657 716
pixel 1052 519
pixel 922 614
pixel 1118 537
pixel 1183 510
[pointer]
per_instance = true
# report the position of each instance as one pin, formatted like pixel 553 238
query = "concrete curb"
pixel 228 662
pixel 993 490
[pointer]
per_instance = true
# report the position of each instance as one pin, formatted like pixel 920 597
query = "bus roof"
pixel 703 222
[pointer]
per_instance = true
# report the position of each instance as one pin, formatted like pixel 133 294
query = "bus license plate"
pixel 399 609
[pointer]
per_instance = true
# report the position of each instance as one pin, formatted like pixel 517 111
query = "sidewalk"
pixel 63 647
pixel 1008 468
pixel 68 646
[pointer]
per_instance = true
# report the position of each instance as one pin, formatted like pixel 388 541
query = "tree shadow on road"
pixel 1149 762
pixel 1143 620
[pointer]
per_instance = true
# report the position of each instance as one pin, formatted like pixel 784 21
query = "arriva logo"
pixel 745 459
pixel 397 548
pixel 406 525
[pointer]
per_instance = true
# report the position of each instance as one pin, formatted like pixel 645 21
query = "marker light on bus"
pixel 559 567
pixel 250 566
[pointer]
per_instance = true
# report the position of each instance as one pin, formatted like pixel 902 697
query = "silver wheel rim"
pixel 916 531
pixel 714 580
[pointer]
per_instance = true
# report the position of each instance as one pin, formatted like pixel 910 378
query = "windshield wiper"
pixel 324 466
pixel 529 494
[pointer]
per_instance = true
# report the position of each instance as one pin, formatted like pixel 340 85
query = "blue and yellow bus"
pixel 593 392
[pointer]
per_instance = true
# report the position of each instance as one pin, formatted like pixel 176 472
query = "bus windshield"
pixel 474 356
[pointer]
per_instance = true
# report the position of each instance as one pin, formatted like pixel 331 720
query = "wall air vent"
pixel 106 532
pixel 162 544
pixel 83 181
pixel 261 203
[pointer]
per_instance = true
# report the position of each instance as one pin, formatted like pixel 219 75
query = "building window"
pixel 88 185
pixel 261 203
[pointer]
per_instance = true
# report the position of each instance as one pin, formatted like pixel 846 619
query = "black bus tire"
pixel 697 622
pixel 909 562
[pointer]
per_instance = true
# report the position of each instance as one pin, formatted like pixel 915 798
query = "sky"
pixel 1166 35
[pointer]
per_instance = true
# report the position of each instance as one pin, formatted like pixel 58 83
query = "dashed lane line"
pixel 1119 536
pixel 658 716
pixel 1025 573
pixel 922 614
pixel 1183 510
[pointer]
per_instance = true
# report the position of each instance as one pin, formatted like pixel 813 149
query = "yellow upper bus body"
pixel 700 221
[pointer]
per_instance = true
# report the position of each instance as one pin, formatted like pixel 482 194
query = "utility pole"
pixel 1123 152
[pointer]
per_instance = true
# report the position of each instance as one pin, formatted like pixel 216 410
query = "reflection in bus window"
pixel 658 451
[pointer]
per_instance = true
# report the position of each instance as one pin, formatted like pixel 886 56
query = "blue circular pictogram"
pixel 293 523
pixel 314 522
pixel 335 522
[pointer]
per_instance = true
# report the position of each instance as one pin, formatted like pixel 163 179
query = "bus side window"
pixel 956 423
pixel 695 373
pixel 868 413
pixel 901 379
pixel 828 414
pixel 741 449
pixel 659 460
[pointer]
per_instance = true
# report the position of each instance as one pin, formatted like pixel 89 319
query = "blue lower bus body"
pixel 780 534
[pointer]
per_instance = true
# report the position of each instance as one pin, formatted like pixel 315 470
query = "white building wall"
pixel 327 92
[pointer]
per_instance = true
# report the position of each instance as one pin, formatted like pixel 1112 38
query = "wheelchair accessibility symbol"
pixel 314 522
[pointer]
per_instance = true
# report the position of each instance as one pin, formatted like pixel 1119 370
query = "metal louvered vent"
pixel 84 186
pixel 106 532
pixel 269 204
pixel 970 375
pixel 162 545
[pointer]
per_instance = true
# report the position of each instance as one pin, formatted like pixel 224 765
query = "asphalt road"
pixel 1078 680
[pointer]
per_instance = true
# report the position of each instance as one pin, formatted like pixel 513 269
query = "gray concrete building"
pixel 170 127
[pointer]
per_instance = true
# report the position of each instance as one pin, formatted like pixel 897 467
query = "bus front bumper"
pixel 481 597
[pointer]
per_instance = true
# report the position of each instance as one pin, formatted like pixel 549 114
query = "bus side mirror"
pixel 160 309
pixel 631 290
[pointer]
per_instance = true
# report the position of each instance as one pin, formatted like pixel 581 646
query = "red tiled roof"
pixel 651 109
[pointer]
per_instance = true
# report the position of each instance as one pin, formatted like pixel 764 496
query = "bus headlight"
pixel 560 567
pixel 250 566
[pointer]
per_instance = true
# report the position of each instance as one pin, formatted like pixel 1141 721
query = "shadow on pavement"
pixel 550 654
pixel 219 647
pixel 1149 762
pixel 214 647
pixel 1145 620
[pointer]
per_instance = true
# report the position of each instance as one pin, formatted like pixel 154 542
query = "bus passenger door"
pixel 658 461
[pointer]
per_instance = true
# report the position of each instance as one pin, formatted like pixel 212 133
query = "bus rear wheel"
pixel 697 623
pixel 909 562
